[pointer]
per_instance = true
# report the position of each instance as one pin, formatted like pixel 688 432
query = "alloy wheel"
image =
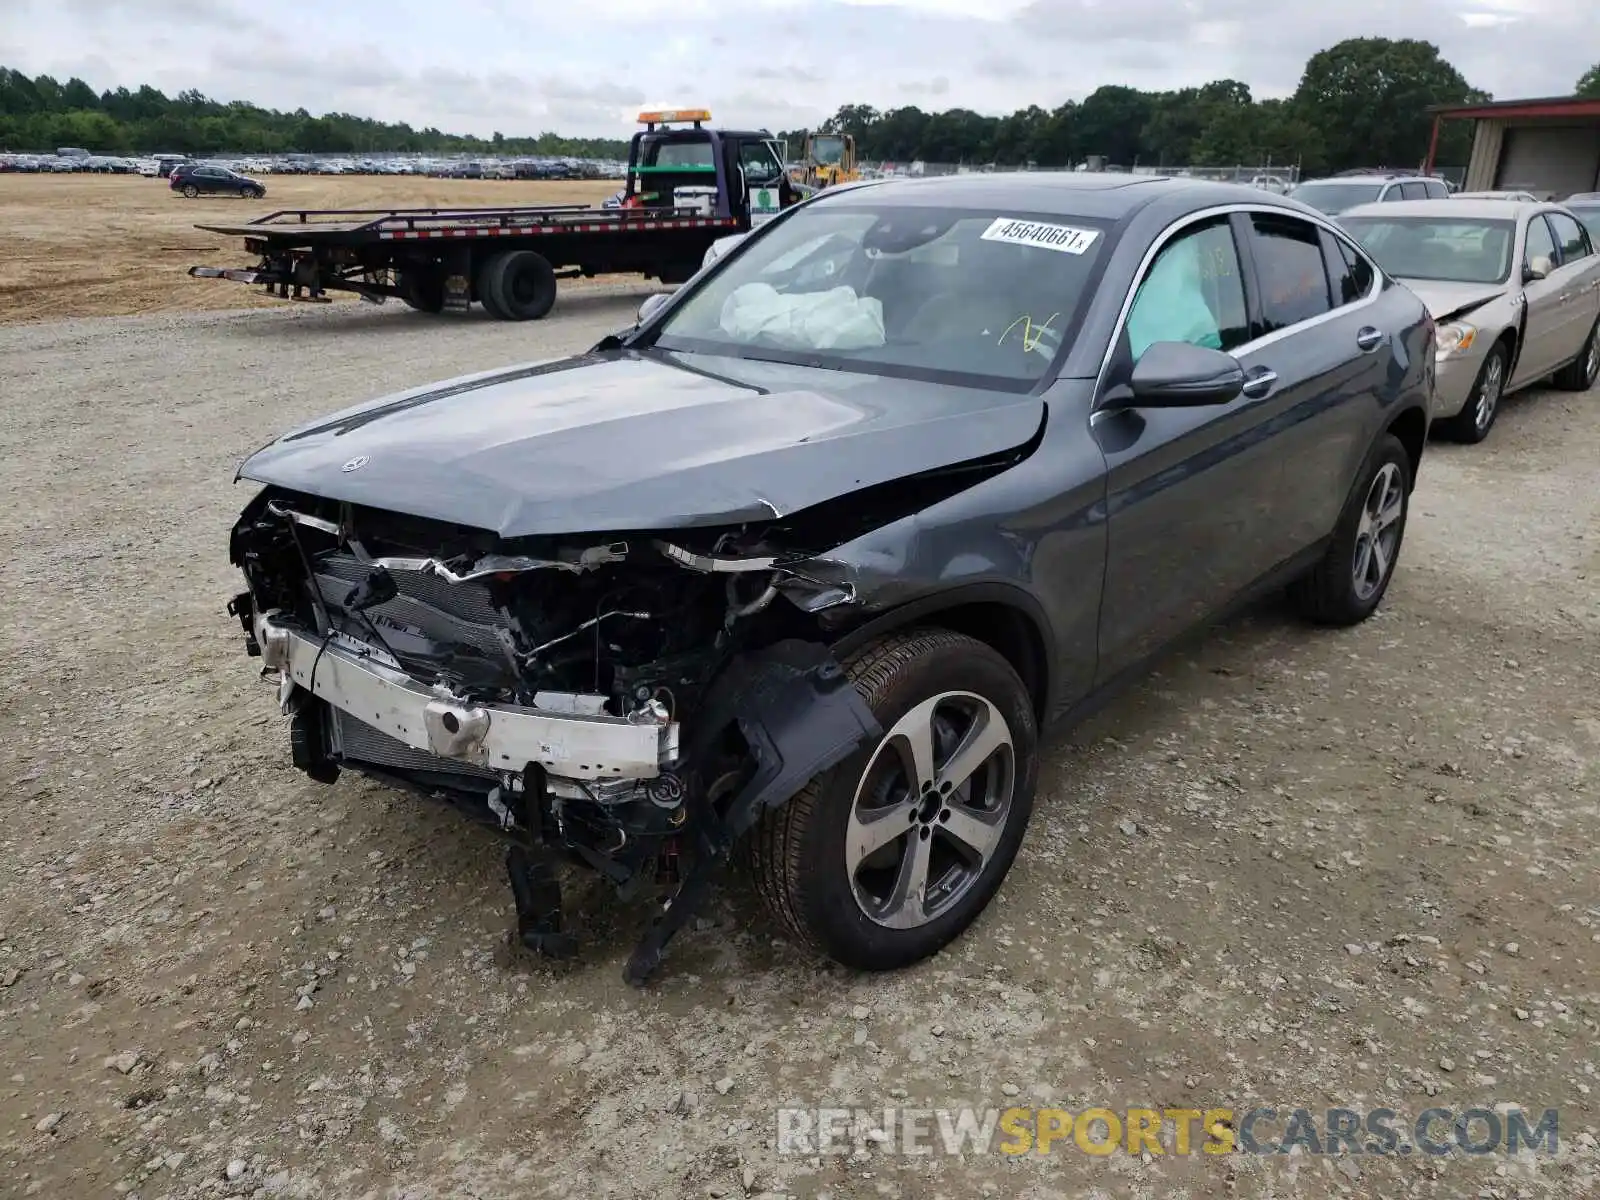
pixel 1489 389
pixel 930 810
pixel 1378 533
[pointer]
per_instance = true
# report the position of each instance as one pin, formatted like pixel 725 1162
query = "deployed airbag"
pixel 837 319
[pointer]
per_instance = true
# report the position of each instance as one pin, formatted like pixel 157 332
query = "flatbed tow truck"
pixel 687 186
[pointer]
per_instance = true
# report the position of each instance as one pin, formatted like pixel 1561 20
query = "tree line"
pixel 41 114
pixel 1361 103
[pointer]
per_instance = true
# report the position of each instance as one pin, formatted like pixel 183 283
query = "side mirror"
pixel 652 304
pixel 720 247
pixel 1537 268
pixel 1179 375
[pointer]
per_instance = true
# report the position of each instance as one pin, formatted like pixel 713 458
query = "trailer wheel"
pixel 483 290
pixel 422 290
pixel 519 285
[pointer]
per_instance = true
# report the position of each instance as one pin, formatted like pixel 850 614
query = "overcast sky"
pixel 525 66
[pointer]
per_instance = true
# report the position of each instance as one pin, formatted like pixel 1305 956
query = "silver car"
pixel 1514 287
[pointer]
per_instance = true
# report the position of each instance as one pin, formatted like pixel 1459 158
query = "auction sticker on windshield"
pixel 1066 238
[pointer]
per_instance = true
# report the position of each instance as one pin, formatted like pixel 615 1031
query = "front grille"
pixel 357 740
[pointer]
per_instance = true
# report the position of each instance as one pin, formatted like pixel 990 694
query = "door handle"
pixel 1367 337
pixel 1259 382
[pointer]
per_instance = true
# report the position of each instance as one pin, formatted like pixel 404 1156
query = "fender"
pixel 1036 674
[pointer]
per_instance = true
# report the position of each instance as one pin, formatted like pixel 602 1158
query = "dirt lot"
pixel 1296 868
pixel 109 245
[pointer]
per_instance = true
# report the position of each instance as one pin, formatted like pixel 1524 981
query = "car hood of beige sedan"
pixel 1446 300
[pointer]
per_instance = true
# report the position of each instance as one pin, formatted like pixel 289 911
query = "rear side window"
pixel 1574 242
pixel 1349 271
pixel 1289 264
pixel 1436 190
pixel 1414 191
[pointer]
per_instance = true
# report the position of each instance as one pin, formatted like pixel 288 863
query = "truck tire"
pixel 483 291
pixel 518 285
pixel 832 864
pixel 422 290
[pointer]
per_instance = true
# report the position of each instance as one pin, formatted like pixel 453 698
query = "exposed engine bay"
pixel 601 700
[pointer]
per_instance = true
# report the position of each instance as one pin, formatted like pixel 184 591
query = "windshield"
pixel 1437 248
pixel 1590 216
pixel 829 150
pixel 1331 197
pixel 969 296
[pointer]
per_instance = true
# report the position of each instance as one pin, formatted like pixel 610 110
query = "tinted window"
pixel 1571 237
pixel 1437 190
pixel 1192 293
pixel 1540 243
pixel 969 295
pixel 1414 191
pixel 1294 279
pixel 1393 192
pixel 1351 274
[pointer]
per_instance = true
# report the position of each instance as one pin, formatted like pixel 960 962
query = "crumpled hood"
pixel 1445 300
pixel 627 440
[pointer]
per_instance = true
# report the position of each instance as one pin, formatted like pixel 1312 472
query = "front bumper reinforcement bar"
pixel 500 737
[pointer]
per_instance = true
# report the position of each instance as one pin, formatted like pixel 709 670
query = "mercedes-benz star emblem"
pixel 356 463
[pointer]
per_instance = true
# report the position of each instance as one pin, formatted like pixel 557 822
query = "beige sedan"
pixel 1514 287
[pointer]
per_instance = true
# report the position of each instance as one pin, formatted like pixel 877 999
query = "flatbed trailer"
pixel 686 188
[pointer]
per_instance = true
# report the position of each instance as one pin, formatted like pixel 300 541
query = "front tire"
pixel 888 857
pixel 1472 424
pixel 1580 374
pixel 1348 584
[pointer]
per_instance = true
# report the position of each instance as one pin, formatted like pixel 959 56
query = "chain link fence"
pixel 1279 179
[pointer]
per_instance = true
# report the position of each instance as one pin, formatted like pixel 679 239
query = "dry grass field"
pixel 114 245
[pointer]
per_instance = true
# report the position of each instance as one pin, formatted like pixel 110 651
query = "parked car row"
pixel 160 166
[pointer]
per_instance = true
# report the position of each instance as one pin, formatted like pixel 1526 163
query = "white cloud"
pixel 484 65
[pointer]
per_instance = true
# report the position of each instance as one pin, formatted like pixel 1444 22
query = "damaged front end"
pixel 624 702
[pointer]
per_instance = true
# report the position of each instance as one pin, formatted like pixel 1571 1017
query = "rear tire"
pixel 518 285
pixel 483 288
pixel 1580 374
pixel 1346 587
pixel 190 191
pixel 807 856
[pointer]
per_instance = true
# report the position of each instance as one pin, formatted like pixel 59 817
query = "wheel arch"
pixel 1411 427
pixel 1002 616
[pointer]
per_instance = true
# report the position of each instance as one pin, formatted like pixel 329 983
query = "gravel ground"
pixel 1294 868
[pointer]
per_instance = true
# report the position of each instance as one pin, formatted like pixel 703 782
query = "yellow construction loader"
pixel 828 159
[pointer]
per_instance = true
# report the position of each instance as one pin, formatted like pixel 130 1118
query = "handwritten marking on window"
pixel 1031 333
